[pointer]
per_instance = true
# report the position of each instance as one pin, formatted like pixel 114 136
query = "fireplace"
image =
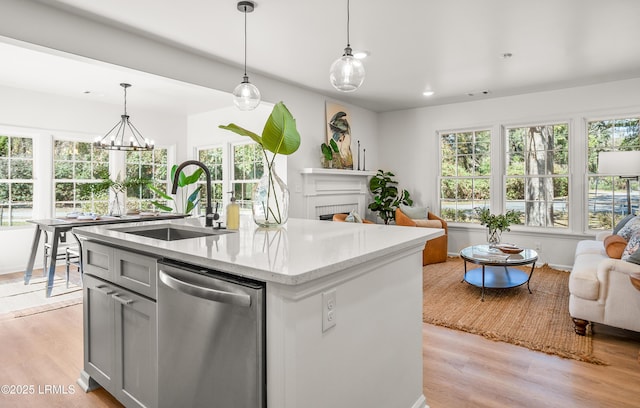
pixel 328 191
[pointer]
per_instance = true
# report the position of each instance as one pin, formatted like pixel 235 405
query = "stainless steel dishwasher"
pixel 211 339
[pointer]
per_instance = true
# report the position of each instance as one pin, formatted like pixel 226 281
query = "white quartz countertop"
pixel 299 252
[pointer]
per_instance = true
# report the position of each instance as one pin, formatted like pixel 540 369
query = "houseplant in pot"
pixel 496 224
pixel 386 196
pixel 270 201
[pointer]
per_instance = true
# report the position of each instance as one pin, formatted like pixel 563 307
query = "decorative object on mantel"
pixel 116 138
pixel 347 72
pixel 338 129
pixel 329 159
pixel 246 96
pixel 496 224
pixel 386 197
pixel 188 200
pixel 270 201
pixel 358 155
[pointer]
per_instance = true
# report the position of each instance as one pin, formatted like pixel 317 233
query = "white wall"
pixel 413 151
pixel 46 116
pixel 71 34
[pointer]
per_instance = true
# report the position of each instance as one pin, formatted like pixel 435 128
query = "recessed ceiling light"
pixel 506 55
pixel 361 54
pixel 86 92
pixel 428 93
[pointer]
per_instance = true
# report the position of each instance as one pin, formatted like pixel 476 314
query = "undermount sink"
pixel 171 233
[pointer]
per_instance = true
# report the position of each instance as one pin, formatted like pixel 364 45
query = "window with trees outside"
pixel 465 174
pixel 607 195
pixel 537 174
pixel 75 165
pixel 16 180
pixel 148 165
pixel 212 157
pixel 248 167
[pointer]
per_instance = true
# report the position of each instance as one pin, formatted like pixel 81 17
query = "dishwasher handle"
pixel 203 292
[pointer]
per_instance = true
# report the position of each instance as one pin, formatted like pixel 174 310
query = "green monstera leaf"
pixel 279 136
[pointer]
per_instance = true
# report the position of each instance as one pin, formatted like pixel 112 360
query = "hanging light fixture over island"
pixel 347 72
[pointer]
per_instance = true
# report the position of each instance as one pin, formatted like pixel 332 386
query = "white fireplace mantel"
pixel 329 191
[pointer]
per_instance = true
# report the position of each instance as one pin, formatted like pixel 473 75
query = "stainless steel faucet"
pixel 210 215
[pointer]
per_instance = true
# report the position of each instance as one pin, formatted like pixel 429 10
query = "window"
pixel 537 174
pixel 212 157
pixel 606 195
pixel 75 165
pixel 16 180
pixel 146 165
pixel 248 167
pixel 465 174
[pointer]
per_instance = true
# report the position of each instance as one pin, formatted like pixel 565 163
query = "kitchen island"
pixel 343 304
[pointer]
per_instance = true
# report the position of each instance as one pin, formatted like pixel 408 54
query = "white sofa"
pixel 600 288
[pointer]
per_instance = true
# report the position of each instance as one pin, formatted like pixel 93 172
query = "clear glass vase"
pixel 270 200
pixel 494 235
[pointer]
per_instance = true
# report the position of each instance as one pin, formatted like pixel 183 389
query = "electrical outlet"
pixel 328 309
pixel 538 246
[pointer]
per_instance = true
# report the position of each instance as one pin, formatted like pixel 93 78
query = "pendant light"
pixel 246 96
pixel 347 72
pixel 123 136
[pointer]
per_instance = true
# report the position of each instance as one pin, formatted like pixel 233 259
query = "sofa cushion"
pixel 632 246
pixel 353 217
pixel 614 245
pixel 623 222
pixel 428 223
pixel 415 213
pixel 630 228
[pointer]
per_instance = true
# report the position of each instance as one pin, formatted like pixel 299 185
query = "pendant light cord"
pixel 245 41
pixel 348 18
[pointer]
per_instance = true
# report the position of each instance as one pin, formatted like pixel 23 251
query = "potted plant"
pixel 331 155
pixel 187 201
pixel 270 200
pixel 496 224
pixel 386 196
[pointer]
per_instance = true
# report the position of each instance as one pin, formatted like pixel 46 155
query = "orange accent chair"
pixel 435 250
pixel 342 217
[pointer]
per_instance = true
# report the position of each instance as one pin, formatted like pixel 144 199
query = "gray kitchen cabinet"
pixel 120 326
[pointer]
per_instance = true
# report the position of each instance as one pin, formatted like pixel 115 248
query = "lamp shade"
pixel 619 163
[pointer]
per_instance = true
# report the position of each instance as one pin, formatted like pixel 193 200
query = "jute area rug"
pixel 18 299
pixel 539 321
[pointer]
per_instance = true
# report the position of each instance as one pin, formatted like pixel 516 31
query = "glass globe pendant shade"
pixel 347 72
pixel 246 96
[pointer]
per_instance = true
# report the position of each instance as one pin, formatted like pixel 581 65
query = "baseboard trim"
pixel 420 403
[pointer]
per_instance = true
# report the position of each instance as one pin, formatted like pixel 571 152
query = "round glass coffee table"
pixel 496 267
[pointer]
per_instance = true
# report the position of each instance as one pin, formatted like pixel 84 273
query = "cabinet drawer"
pixel 98 260
pixel 136 272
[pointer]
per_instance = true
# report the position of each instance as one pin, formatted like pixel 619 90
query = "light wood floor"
pixel 460 369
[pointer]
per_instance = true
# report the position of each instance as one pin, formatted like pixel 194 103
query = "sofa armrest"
pixel 601 235
pixel 607 268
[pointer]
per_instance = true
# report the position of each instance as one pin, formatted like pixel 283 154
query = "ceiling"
pixel 452 47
